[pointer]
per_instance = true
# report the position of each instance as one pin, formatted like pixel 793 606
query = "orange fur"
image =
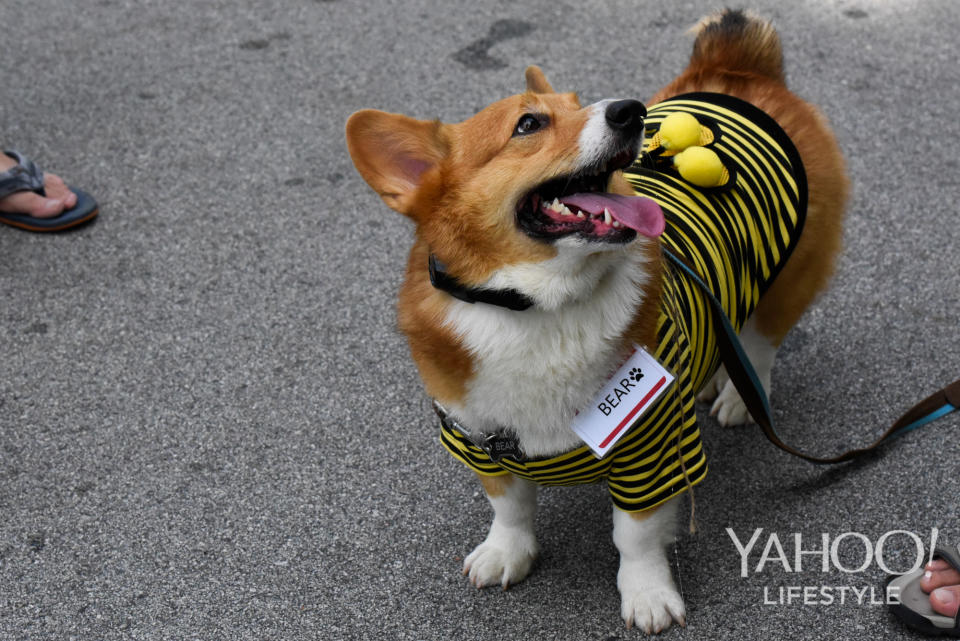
pixel 445 365
pixel 537 81
pixel 463 204
pixel 645 514
pixel 496 486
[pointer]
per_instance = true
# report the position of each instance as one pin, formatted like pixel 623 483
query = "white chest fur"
pixel 534 369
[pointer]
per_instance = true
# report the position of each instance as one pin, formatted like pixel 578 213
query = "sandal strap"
pixel 25 176
pixel 949 554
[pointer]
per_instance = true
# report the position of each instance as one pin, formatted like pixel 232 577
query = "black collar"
pixel 509 298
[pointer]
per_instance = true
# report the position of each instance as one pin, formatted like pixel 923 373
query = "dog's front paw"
pixel 729 407
pixel 501 560
pixel 652 609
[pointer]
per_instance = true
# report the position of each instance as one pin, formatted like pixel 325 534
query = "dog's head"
pixel 526 194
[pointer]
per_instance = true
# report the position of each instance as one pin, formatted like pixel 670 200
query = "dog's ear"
pixel 393 152
pixel 536 81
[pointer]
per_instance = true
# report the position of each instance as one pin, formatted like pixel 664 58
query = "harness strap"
pixel 751 391
pixel 496 445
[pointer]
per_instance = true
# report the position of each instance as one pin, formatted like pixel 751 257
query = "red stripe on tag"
pixel 634 411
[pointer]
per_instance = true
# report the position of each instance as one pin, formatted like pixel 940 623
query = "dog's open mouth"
pixel 579 204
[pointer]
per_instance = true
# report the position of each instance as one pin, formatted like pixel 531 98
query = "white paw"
pixel 652 610
pixel 729 408
pixel 713 386
pixel 500 562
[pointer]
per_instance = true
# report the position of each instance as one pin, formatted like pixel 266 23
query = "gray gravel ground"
pixel 210 427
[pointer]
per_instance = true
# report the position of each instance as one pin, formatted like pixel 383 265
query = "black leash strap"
pixel 751 391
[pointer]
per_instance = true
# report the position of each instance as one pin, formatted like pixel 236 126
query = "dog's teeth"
pixel 565 211
pixel 616 223
pixel 580 214
pixel 607 218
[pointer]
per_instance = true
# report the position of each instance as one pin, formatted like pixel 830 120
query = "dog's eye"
pixel 528 124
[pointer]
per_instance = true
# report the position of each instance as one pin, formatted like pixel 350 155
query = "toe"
pixel 946 601
pixel 57 190
pixel 939 574
pixel 59 198
pixel 32 205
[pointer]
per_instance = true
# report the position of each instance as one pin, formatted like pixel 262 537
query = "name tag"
pixel 622 401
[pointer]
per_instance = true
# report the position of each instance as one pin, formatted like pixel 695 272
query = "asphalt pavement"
pixel 210 427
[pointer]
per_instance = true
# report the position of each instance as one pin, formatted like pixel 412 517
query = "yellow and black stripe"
pixel 737 238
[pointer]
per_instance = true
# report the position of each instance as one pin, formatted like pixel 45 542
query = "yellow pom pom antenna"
pixel 679 130
pixel 701 166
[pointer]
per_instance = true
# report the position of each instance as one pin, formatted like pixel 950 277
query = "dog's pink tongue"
pixel 636 212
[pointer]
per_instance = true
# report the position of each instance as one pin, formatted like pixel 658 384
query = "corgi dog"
pixel 538 265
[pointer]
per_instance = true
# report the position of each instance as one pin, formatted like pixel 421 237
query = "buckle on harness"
pixel 496 445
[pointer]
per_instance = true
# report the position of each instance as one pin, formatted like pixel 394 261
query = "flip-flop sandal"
pixel 914 604
pixel 25 176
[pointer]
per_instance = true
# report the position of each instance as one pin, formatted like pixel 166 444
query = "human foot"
pixel 942 583
pixel 58 198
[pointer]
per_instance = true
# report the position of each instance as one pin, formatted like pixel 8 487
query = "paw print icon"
pixel 636 374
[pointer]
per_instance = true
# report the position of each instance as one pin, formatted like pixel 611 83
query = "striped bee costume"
pixel 736 237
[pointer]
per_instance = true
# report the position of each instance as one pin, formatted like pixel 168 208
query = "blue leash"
pixel 754 397
pixel 943 411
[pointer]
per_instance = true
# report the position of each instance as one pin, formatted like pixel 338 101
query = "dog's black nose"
pixel 626 116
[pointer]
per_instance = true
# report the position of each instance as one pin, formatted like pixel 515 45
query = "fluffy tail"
pixel 737 41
